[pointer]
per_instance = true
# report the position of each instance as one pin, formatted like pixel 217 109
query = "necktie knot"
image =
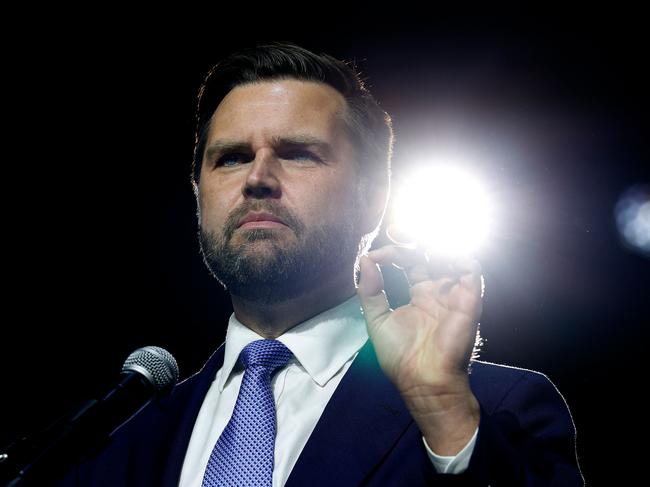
pixel 269 354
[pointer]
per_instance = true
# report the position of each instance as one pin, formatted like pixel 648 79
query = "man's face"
pixel 277 150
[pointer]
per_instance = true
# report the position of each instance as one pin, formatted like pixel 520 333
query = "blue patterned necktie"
pixel 243 455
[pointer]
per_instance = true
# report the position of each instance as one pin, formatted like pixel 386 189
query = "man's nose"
pixel 262 177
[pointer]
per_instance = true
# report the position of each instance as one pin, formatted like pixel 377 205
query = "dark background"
pixel 99 219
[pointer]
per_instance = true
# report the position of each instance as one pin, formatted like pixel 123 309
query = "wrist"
pixel 439 396
pixel 446 420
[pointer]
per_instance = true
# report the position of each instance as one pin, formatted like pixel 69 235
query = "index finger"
pixel 413 261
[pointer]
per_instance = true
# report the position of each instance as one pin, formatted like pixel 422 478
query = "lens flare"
pixel 633 219
pixel 444 210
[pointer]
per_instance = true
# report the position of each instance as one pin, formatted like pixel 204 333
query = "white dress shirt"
pixel 323 348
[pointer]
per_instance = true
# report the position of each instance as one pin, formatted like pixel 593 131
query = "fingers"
pixel 371 293
pixel 467 266
pixel 471 276
pixel 398 256
pixel 400 236
pixel 428 278
pixel 420 267
pixel 411 260
pixel 463 296
pixel 371 281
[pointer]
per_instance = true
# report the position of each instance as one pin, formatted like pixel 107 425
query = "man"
pixel 319 382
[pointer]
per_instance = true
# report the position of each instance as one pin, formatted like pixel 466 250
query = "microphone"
pixel 147 373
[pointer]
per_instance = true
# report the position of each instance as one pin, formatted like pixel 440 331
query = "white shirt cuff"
pixel 452 464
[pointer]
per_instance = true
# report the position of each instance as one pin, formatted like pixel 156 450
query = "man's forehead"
pixel 287 101
pixel 284 108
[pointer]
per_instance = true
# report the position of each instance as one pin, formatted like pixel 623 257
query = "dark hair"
pixel 368 126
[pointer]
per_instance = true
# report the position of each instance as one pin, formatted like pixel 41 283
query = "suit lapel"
pixel 185 403
pixel 362 421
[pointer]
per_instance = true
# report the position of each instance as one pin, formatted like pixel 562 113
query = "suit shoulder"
pixel 492 382
pixel 485 370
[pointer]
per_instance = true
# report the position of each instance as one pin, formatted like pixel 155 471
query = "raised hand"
pixel 424 347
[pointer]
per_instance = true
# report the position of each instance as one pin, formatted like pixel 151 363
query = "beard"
pixel 268 265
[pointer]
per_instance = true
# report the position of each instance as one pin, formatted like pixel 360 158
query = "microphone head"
pixel 156 364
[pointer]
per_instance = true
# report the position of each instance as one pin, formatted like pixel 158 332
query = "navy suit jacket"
pixel 365 436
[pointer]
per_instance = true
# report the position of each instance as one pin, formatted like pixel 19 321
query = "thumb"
pixel 371 293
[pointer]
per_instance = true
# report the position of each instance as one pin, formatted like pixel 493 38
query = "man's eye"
pixel 300 155
pixel 231 159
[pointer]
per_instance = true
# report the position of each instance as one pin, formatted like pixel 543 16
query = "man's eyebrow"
pixel 222 146
pixel 324 147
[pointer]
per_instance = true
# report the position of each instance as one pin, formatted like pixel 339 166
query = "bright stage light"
pixel 633 218
pixel 444 210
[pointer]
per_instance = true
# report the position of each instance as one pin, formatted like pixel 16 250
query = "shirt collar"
pixel 322 344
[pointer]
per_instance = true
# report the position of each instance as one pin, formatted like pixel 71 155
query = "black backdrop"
pixel 100 247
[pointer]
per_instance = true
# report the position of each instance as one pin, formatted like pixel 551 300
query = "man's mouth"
pixel 260 220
